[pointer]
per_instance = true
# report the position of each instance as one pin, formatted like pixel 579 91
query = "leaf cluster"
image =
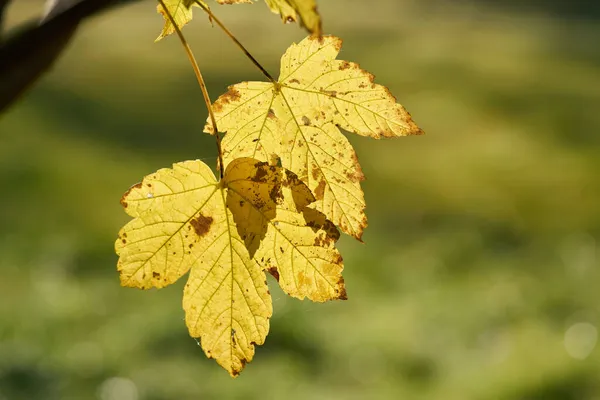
pixel 290 179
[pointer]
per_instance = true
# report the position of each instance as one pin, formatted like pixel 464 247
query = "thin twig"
pixel 237 42
pixel 196 68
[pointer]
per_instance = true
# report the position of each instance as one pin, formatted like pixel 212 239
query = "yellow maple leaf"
pixel 184 219
pixel 180 10
pixel 298 117
pixel 269 204
pixel 290 10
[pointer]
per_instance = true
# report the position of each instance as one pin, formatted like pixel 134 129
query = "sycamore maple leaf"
pixel 290 11
pixel 184 219
pixel 298 117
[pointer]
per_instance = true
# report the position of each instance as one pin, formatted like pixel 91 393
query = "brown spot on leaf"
pixel 319 241
pixel 315 172
pixel 320 190
pixel 341 292
pixel 156 275
pixel 261 172
pixel 357 175
pixel 344 65
pixel 294 81
pixel 201 224
pixel 231 96
pixel 136 186
pixel 305 120
pixel 271 114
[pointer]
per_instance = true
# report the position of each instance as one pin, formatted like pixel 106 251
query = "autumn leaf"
pixel 291 10
pixel 185 220
pixel 298 246
pixel 180 10
pixel 298 118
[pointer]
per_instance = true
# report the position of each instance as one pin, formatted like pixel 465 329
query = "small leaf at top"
pixel 180 10
pixel 290 10
pixel 298 119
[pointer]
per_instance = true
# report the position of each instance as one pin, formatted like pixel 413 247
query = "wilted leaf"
pixel 184 219
pixel 290 10
pixel 297 119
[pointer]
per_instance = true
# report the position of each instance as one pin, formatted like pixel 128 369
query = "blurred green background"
pixel 479 274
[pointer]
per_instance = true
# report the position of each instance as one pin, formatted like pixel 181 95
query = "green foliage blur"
pixel 479 274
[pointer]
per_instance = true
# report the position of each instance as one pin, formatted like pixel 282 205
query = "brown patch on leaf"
pixel 261 172
pixel 271 114
pixel 305 120
pixel 344 65
pixel 358 174
pixel 231 96
pixel 136 186
pixel 341 292
pixel 156 275
pixel 338 41
pixel 294 81
pixel 363 225
pixel 236 372
pixel 320 190
pixel 201 224
pixel 316 172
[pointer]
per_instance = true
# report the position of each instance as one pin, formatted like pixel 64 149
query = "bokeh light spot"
pixel 580 340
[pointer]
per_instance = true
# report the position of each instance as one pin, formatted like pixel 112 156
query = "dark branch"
pixel 28 54
pixel 3 6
